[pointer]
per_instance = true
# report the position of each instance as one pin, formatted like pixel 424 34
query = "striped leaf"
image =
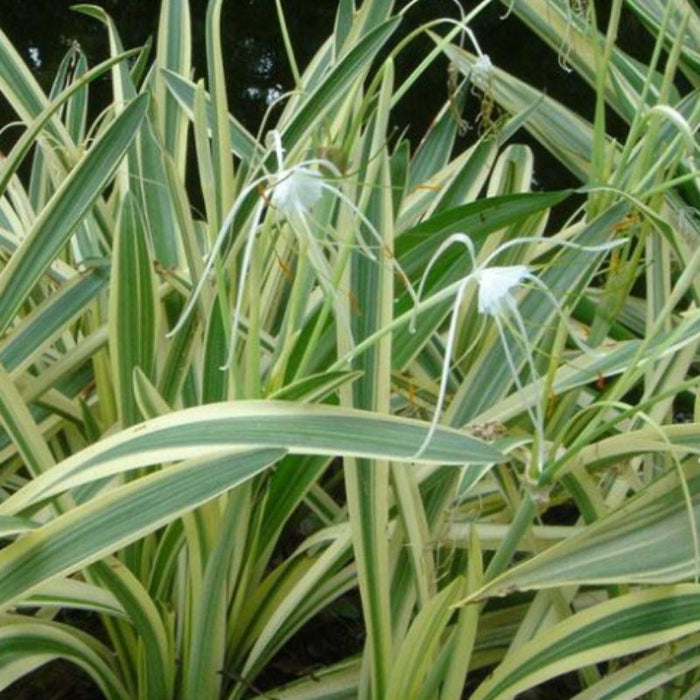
pixel 624 625
pixel 133 310
pixel 45 323
pixel 123 515
pixel 28 642
pixel 70 203
pixel 174 54
pixel 649 540
pixel 298 428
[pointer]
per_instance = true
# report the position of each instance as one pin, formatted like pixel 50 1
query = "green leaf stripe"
pixel 300 429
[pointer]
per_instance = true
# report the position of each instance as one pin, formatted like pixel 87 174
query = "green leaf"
pixel 221 141
pixel 174 54
pixel 123 515
pixel 30 337
pixel 20 426
pixel 298 428
pixel 11 525
pixel 146 617
pixel 618 627
pixel 651 12
pixel 243 143
pixel 122 85
pixel 150 402
pixel 653 671
pixel 315 387
pixel 157 198
pixel 28 642
pixel 28 139
pixel 647 541
pixel 415 246
pixel 77 595
pixel 337 682
pixel 304 587
pixel 421 643
pixel 367 483
pixel 70 203
pixel 338 83
pixel 21 89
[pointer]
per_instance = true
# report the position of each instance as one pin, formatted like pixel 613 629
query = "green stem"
pixel 288 45
pixel 519 527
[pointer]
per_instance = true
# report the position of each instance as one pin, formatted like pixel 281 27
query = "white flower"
pixel 292 194
pixel 481 72
pixel 296 192
pixel 496 286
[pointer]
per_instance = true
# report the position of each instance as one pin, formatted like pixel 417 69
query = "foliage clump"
pixel 303 405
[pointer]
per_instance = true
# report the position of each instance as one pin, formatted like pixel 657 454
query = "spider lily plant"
pixel 496 285
pixel 291 195
pixel 397 439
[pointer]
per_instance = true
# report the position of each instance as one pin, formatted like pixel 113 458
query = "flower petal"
pixel 296 191
pixel 495 284
pixel 481 72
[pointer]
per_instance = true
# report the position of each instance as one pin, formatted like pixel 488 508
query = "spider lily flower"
pixel 296 193
pixel 291 192
pixel 481 72
pixel 296 190
pixel 496 287
pixel 495 284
